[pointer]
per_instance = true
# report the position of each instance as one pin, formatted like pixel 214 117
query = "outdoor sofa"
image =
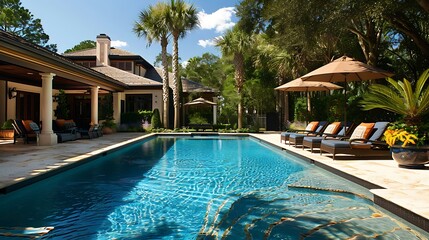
pixel 364 141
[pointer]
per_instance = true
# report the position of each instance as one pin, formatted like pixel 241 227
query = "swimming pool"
pixel 199 187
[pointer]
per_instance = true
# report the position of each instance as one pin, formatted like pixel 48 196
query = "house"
pixel 31 77
pixel 144 81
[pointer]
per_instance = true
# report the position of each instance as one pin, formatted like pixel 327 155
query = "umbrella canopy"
pixel 298 85
pixel 345 69
pixel 200 101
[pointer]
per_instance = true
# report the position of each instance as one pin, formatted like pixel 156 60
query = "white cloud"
pixel 184 64
pixel 219 20
pixel 118 43
pixel 205 43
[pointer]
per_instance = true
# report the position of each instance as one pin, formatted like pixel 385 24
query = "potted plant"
pixel 407 138
pixel 6 131
pixel 109 126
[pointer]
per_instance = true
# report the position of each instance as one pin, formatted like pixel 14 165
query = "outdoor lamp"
pixel 12 93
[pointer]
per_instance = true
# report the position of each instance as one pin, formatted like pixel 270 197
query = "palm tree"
pixel 182 18
pixel 236 42
pixel 401 99
pixel 152 24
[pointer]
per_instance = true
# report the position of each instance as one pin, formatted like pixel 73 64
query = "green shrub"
pixel 109 123
pixel 156 119
pixel 7 125
pixel 62 110
pixel 197 118
pixel 145 115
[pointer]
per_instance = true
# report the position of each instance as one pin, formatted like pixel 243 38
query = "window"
pixel 126 66
pixel 28 106
pixel 88 64
pixel 135 102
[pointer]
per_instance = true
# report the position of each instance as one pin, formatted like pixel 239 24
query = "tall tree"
pixel 235 42
pixel 18 20
pixel 86 44
pixel 206 69
pixel 182 18
pixel 152 24
pixel 158 61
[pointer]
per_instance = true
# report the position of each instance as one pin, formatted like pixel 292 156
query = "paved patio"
pixel 399 190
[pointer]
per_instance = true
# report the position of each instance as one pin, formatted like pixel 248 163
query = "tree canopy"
pixel 16 19
pixel 86 44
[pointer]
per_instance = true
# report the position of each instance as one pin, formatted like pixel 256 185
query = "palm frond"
pixel 408 95
pixel 421 82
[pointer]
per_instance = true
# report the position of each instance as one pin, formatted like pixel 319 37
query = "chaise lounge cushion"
pixel 312 126
pixel 332 128
pixel 362 131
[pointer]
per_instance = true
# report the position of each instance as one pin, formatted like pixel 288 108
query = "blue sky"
pixel 69 22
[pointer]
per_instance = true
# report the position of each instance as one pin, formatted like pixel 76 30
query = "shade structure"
pixel 345 69
pixel 200 101
pixel 298 85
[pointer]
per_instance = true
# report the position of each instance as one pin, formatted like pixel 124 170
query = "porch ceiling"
pixel 14 73
pixel 22 61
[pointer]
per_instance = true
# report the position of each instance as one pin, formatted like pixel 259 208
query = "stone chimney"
pixel 103 50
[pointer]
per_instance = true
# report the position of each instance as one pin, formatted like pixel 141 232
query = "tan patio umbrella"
pixel 345 69
pixel 298 85
pixel 200 101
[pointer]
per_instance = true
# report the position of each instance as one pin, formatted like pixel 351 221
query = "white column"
pixel 117 107
pixel 214 111
pixel 47 136
pixel 3 101
pixel 94 105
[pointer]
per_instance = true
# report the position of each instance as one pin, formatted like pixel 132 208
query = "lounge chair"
pixel 25 129
pixel 296 138
pixel 66 130
pixel 311 127
pixel 364 141
pixel 91 132
pixel 314 142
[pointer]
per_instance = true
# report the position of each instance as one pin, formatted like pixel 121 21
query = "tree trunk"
pixel 369 38
pixel 239 81
pixel 424 4
pixel 176 81
pixel 165 83
pixel 401 23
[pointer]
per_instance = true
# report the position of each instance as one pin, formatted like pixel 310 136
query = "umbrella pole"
pixel 345 103
pixel 308 107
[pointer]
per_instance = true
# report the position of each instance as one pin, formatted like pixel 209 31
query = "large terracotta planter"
pixel 6 134
pixel 108 130
pixel 410 157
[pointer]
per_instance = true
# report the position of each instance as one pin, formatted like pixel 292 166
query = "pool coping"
pixel 385 198
pixel 67 164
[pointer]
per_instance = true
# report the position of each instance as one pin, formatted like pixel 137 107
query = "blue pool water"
pixel 199 188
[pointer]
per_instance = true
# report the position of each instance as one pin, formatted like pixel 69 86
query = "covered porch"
pixel 31 77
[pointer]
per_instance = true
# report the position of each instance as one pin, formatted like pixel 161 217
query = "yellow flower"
pixel 391 136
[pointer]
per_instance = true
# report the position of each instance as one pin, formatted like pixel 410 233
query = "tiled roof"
pixel 128 78
pixel 92 51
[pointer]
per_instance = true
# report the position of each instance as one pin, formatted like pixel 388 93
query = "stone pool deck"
pixel 402 191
